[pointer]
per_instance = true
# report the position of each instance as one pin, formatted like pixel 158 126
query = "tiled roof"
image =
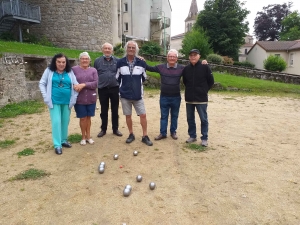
pixel 277 45
pixel 247 45
pixel 296 46
pixel 177 36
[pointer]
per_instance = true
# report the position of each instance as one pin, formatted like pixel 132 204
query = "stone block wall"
pixel 74 24
pixel 20 75
pixel 12 80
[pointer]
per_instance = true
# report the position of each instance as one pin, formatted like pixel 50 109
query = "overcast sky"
pixel 180 10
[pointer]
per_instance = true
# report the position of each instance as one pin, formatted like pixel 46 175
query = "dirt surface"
pixel 248 175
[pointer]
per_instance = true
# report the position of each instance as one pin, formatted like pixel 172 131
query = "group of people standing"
pixel 63 87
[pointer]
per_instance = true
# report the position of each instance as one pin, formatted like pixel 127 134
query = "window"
pixel 291 59
pixel 125 7
pixel 126 27
pixel 278 55
pixel 246 50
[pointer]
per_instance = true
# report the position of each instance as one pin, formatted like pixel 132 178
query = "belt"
pixel 104 88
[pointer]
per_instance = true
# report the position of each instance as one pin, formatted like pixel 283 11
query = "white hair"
pixel 84 54
pixel 173 51
pixel 136 47
pixel 106 43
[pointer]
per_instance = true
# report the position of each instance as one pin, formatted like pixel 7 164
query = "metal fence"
pixel 20 9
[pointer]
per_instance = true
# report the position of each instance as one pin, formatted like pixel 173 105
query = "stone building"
pixel 87 24
pixel 77 24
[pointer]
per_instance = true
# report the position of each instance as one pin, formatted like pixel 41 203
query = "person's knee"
pixel 83 119
pixel 143 116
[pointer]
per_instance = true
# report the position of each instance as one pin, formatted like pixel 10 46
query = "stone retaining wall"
pixel 20 75
pixel 239 71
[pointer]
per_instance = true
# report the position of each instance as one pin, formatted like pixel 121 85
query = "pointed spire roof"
pixel 193 11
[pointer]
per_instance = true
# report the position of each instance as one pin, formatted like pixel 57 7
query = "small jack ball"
pixel 135 153
pixel 139 178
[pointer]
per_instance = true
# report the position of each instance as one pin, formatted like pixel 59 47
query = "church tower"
pixel 192 16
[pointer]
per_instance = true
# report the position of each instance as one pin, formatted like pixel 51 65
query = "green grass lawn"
pixel 24 48
pixel 256 86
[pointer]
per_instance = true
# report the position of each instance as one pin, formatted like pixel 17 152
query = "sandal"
pixel 90 141
pixel 82 142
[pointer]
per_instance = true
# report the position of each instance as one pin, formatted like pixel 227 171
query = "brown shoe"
pixel 159 137
pixel 101 133
pixel 174 136
pixel 118 133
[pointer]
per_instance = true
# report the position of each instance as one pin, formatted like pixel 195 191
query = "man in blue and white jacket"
pixel 131 73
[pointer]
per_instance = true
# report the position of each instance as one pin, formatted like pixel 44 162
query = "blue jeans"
pixel 190 114
pixel 169 104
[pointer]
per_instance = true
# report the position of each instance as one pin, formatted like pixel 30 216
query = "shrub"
pixel 45 41
pixel 151 48
pixel 7 36
pixel 215 58
pixel 247 64
pixel 196 38
pixel 275 63
pixel 118 50
pixel 227 60
pixel 30 38
pixel 244 64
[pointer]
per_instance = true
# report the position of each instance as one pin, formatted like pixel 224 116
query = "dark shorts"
pixel 85 110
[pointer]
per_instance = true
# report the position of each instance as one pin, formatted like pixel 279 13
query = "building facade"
pixel 288 50
pixel 87 24
pixel 244 49
pixel 148 20
pixel 176 41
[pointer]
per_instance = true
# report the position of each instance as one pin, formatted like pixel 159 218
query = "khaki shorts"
pixel 138 105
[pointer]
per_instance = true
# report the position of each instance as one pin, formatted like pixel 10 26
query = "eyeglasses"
pixel 172 57
pixel 131 47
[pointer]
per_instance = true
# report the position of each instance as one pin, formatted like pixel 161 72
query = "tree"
pixel 224 23
pixel 151 48
pixel 267 23
pixel 196 39
pixel 291 27
pixel 275 63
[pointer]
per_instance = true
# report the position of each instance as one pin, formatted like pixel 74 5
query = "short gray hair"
pixel 106 43
pixel 84 54
pixel 136 47
pixel 173 51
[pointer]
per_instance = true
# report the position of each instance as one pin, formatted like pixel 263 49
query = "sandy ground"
pixel 247 175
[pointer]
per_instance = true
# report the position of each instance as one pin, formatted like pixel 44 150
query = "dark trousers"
pixel 112 94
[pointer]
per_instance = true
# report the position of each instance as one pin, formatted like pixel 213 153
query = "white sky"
pixel 180 10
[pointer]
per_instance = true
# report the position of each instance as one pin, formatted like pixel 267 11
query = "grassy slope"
pixel 24 48
pixel 255 86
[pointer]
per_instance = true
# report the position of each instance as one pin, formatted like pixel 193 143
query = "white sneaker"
pixel 204 143
pixel 82 142
pixel 90 141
